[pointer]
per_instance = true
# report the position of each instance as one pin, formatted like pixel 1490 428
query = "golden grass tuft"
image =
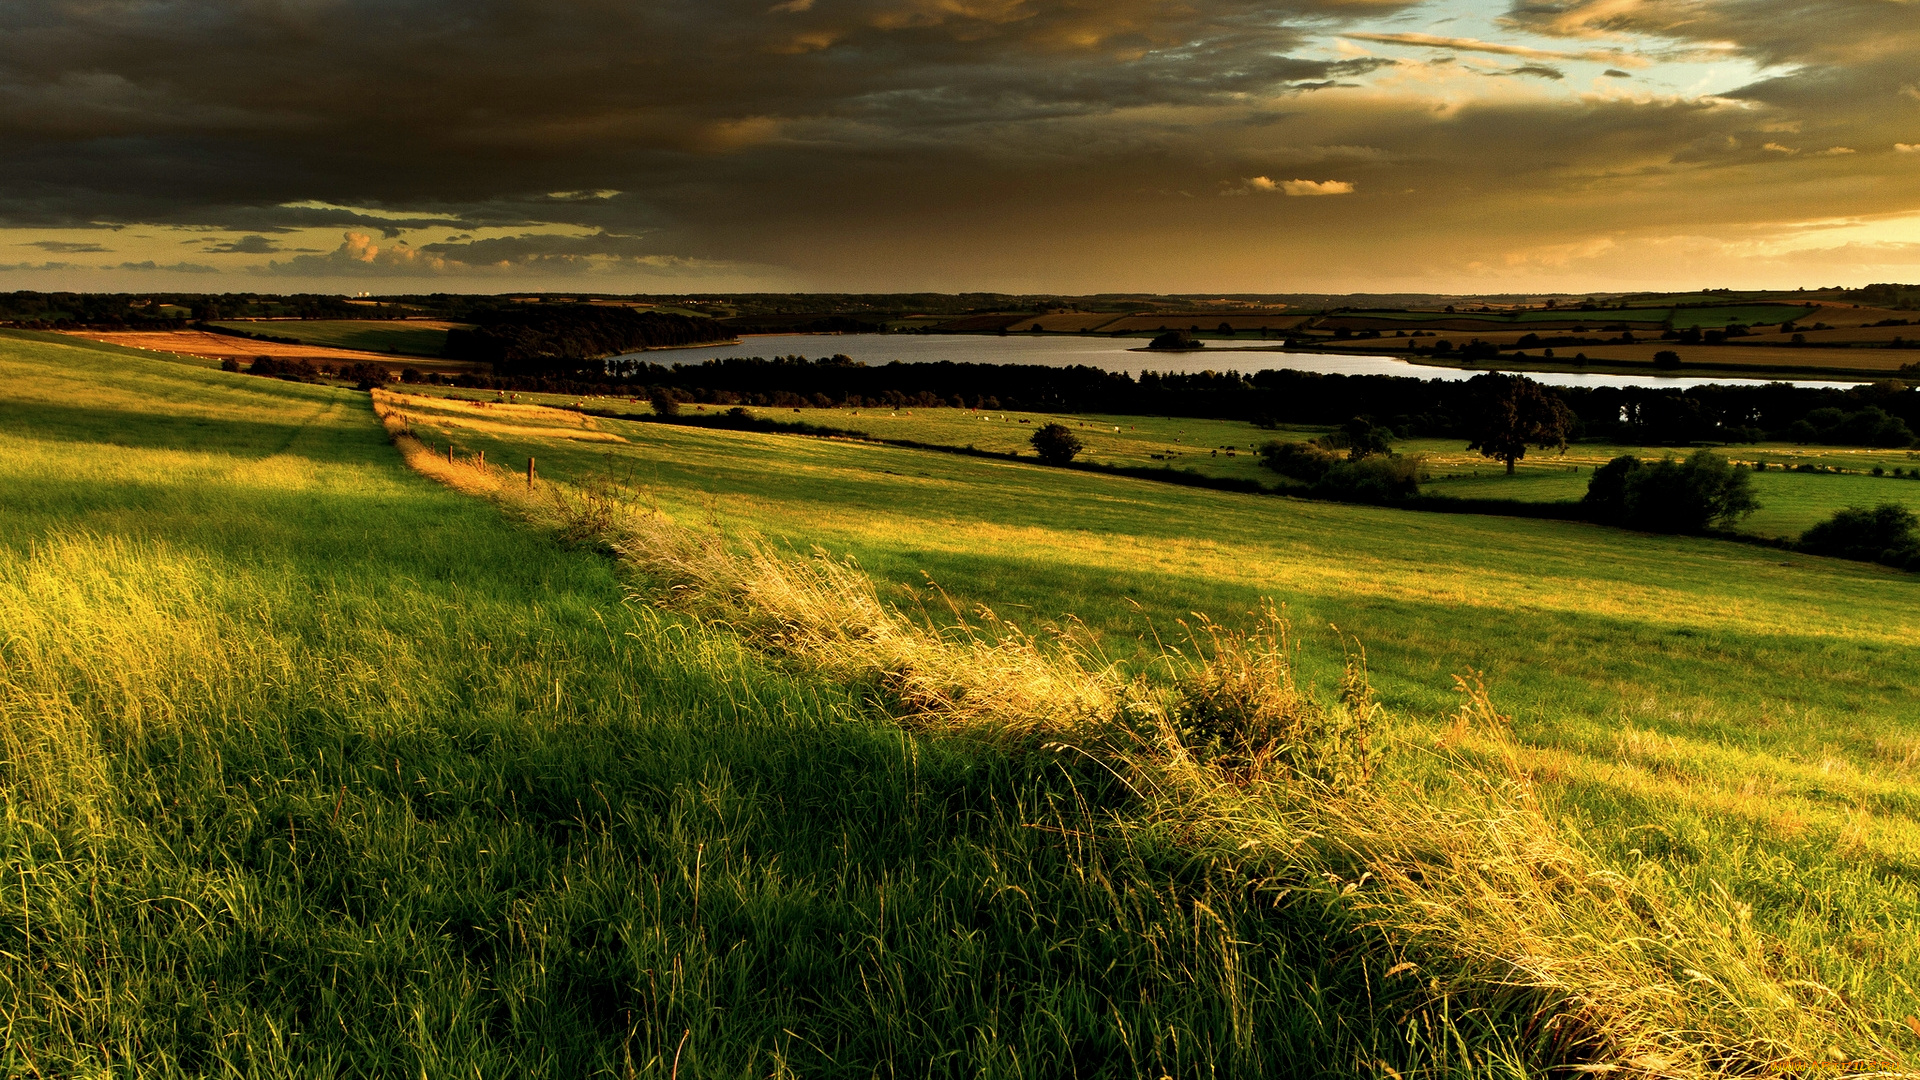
pixel 106 644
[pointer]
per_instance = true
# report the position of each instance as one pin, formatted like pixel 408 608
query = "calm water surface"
pixel 1123 354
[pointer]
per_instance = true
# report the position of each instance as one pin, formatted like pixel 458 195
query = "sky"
pixel 1059 146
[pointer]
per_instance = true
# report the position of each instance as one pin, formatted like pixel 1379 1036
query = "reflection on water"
pixel 1124 354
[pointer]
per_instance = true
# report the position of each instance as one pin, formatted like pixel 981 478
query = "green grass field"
pixel 366 335
pixel 1739 715
pixel 314 766
pixel 1790 502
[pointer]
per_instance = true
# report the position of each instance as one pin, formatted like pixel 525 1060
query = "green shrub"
pixel 1305 462
pixel 1055 444
pixel 1888 533
pixel 1382 478
pixel 1668 495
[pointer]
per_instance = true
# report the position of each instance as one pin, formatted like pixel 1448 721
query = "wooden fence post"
pixel 529 474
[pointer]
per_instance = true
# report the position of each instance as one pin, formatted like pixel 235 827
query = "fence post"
pixel 483 459
pixel 529 474
pixel 449 451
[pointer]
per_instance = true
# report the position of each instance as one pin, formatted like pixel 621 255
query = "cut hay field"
pixel 314 765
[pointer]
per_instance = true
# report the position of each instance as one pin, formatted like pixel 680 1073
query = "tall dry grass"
pixel 107 644
pixel 1446 865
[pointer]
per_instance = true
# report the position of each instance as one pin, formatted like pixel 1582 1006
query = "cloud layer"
pixel 1042 144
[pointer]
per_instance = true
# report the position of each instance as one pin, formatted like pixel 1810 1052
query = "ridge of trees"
pixel 572 339
pixel 1885 413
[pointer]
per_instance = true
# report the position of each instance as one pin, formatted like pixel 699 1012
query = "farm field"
pixel 211 349
pixel 1738 715
pixel 413 337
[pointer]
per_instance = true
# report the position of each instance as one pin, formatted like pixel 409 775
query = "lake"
pixel 1123 354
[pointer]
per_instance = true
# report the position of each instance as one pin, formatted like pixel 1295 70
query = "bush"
pixel 1666 359
pixel 1300 461
pixel 290 370
pixel 365 376
pixel 663 403
pixel 1382 478
pixel 1888 533
pixel 1055 444
pixel 229 364
pixel 1668 495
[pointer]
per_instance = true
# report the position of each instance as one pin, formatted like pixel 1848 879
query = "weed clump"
pixel 1237 708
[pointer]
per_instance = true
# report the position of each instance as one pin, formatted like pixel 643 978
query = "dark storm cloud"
pixel 246 245
pixel 65 247
pixel 889 137
pixel 218 111
pixel 149 266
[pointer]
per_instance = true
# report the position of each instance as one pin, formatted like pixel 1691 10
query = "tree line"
pixel 1880 414
pixel 571 341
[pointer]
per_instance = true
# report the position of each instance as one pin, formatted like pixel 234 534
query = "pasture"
pixel 1790 501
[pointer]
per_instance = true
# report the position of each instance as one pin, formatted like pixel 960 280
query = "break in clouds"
pixel 1027 144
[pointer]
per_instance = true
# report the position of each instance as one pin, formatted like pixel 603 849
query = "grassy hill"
pixel 312 764
pixel 1737 716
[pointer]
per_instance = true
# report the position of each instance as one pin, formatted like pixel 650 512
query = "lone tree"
pixel 1514 413
pixel 1055 444
pixel 663 402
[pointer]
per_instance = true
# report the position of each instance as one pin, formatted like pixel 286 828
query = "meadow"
pixel 1791 501
pixel 1738 716
pixel 315 765
pixel 312 766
